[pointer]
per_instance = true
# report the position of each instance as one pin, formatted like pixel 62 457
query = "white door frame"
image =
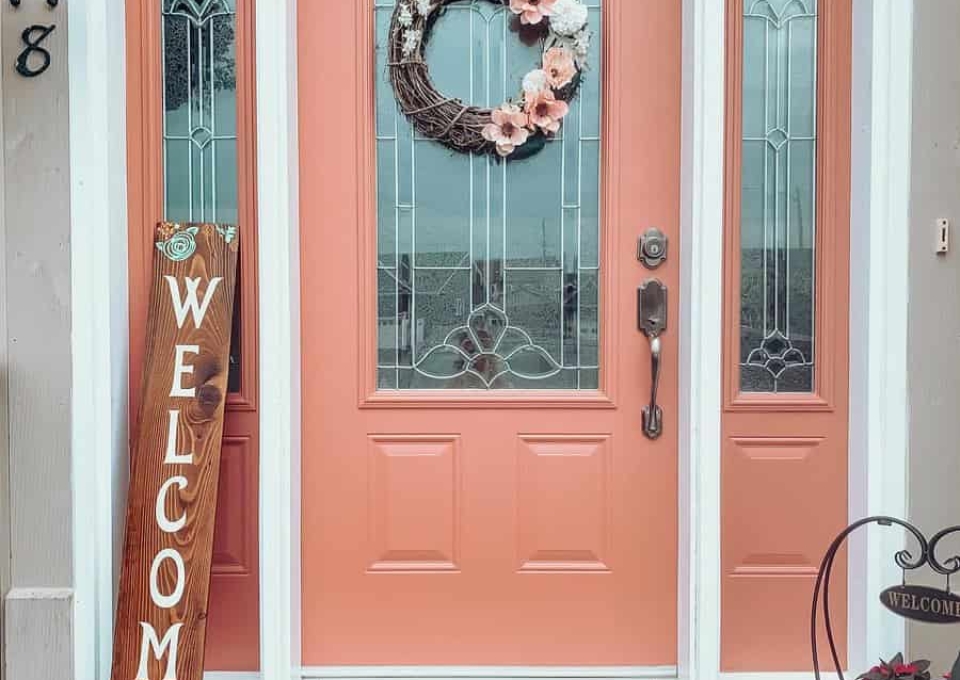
pixel 878 284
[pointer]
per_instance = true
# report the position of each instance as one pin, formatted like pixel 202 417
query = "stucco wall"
pixel 35 352
pixel 934 315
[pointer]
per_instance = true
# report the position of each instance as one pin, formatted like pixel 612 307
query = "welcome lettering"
pixel 172 638
pixel 922 603
pixel 161 613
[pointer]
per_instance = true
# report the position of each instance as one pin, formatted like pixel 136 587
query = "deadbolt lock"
pixel 652 248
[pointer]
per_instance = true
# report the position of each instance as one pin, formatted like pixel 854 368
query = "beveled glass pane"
pixel 200 121
pixel 778 196
pixel 488 271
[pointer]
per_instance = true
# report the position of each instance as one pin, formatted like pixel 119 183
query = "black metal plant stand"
pixel 904 559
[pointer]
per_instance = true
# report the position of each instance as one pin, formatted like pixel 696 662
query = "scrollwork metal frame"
pixel 904 559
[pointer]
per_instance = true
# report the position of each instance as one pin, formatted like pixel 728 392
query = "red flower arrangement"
pixel 896 669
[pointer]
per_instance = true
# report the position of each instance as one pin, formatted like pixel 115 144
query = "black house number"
pixel 32 37
pixel 52 3
pixel 34 59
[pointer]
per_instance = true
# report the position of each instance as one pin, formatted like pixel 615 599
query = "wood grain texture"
pixel 199 431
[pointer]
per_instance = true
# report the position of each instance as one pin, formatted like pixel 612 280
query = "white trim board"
pixel 100 341
pixel 881 139
pixel 487 672
pixel 701 324
pixel 279 327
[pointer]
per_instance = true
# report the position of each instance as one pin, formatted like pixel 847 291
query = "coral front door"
pixel 476 485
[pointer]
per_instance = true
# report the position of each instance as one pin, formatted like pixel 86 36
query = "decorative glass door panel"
pixel 488 270
pixel 778 220
pixel 200 111
pixel 200 124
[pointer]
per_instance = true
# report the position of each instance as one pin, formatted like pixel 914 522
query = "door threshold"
pixel 486 672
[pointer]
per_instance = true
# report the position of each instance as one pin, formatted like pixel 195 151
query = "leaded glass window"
pixel 778 199
pixel 200 120
pixel 488 272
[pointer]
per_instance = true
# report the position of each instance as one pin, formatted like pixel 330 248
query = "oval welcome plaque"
pixel 922 603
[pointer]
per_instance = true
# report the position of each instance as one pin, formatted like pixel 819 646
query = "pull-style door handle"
pixel 652 413
pixel 652 321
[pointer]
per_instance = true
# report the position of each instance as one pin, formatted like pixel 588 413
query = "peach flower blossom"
pixel 546 111
pixel 558 63
pixel 532 11
pixel 508 129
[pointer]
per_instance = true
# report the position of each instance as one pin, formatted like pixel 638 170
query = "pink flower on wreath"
pixel 532 11
pixel 546 111
pixel 508 129
pixel 560 67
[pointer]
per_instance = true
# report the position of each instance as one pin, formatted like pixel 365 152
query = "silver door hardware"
pixel 943 235
pixel 652 321
pixel 652 248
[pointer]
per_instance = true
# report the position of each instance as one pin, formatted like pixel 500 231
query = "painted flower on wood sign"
pixel 180 246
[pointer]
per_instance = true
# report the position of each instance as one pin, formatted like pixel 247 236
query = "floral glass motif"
pixel 200 119
pixel 778 200
pixel 488 349
pixel 488 273
pixel 200 110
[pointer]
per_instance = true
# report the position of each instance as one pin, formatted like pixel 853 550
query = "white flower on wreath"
pixel 405 18
pixel 535 82
pixel 568 17
pixel 411 41
pixel 424 7
pixel 581 44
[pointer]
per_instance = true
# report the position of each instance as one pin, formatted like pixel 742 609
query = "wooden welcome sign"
pixel 165 575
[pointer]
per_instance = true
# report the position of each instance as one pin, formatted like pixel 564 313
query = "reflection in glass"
pixel 200 120
pixel 488 272
pixel 778 200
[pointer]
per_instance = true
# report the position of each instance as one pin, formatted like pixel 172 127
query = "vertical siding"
pixel 934 316
pixel 36 365
pixel 4 410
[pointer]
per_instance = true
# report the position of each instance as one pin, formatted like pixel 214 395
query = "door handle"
pixel 652 322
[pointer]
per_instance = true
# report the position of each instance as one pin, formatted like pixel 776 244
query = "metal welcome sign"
pixel 922 603
pixel 915 602
pixel 165 575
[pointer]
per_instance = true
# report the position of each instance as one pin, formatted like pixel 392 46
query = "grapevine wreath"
pixel 529 120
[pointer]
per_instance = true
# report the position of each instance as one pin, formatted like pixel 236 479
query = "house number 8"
pixel 51 3
pixel 33 37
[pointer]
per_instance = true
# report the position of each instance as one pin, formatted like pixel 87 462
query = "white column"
pixel 279 284
pixel 701 305
pixel 100 337
pixel 883 58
